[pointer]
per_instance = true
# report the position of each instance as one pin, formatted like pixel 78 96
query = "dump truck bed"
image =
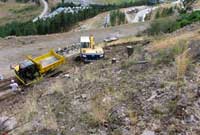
pixel 48 61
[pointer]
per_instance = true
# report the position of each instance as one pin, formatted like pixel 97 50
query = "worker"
pixel 14 86
pixel 1 77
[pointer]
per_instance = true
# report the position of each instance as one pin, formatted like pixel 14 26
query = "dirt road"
pixel 15 49
pixel 44 12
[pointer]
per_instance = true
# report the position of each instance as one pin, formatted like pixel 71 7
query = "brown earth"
pixel 136 95
pixel 15 49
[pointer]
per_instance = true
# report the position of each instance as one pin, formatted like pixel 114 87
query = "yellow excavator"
pixel 33 70
pixel 88 50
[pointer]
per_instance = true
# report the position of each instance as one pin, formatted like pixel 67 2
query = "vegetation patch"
pixel 168 25
pixel 166 56
pixel 117 17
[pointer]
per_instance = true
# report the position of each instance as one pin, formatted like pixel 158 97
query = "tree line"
pixel 61 22
pixel 117 17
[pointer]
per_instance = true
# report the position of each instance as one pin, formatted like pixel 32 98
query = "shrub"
pixel 165 25
pixel 166 56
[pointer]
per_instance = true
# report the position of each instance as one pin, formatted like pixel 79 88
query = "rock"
pixel 190 119
pixel 84 96
pixel 92 130
pixel 8 123
pixel 148 132
pixel 127 121
pixel 73 129
pixel 67 75
pixel 61 113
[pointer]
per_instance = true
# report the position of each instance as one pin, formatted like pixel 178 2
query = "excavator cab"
pixel 88 50
pixel 27 71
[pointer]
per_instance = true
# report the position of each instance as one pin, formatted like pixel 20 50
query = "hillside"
pixel 154 91
pixel 12 11
pixel 139 94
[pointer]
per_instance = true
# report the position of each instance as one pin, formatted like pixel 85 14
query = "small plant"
pixel 158 111
pixel 167 55
pixel 133 117
pixel 99 110
pixel 128 63
pixel 88 119
pixel 49 120
pixel 30 107
pixel 56 87
pixel 164 25
pixel 172 105
pixel 164 57
pixel 182 63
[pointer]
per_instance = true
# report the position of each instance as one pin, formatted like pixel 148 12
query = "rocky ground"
pixel 136 95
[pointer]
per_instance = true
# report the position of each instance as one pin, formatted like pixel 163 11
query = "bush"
pixel 162 26
pixel 166 56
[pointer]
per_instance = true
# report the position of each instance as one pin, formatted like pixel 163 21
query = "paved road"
pixel 44 12
pixel 140 16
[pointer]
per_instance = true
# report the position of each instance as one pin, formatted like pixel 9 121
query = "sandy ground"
pixel 15 49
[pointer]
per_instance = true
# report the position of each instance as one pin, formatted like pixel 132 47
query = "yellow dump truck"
pixel 33 70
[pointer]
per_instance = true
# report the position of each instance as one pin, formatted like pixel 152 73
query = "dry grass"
pixel 196 4
pixel 49 119
pixel 170 41
pixel 182 62
pixel 30 108
pixel 102 103
pixel 89 76
pixel 133 117
pixel 56 87
pixel 99 109
pixel 123 40
pixel 12 11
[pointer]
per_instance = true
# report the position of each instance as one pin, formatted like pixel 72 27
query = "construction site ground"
pixel 15 49
pixel 135 95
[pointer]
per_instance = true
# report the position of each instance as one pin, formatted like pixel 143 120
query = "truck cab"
pixel 27 71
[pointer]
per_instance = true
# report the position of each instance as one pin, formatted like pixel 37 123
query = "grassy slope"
pixel 123 85
pixel 12 11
